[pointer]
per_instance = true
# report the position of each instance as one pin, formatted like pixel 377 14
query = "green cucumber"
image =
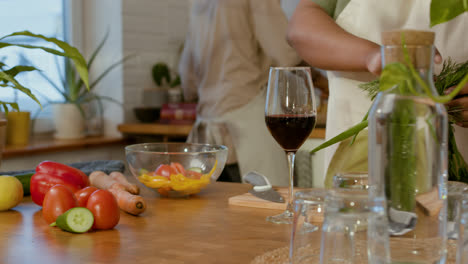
pixel 25 180
pixel 196 169
pixel 75 220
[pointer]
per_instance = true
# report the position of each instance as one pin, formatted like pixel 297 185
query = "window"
pixel 45 17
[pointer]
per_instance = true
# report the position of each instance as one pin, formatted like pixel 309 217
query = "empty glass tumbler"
pixel 351 180
pixel 305 234
pixel 462 243
pixel 354 229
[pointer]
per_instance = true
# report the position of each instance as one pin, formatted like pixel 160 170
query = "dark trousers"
pixel 230 173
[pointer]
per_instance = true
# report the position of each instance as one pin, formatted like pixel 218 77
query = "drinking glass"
pixel 290 115
pixel 351 180
pixel 354 229
pixel 462 236
pixel 455 192
pixel 308 210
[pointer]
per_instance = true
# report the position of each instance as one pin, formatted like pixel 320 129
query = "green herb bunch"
pixel 452 74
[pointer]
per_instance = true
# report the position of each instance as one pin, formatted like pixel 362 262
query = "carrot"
pixel 101 180
pixel 120 178
pixel 132 204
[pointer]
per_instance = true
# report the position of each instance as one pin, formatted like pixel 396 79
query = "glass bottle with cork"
pixel 408 134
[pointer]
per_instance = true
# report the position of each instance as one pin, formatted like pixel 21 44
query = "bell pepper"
pixel 49 173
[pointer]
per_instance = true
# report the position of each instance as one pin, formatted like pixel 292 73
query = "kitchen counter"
pixel 201 229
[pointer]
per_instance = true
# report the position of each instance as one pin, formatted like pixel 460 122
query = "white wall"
pixel 148 30
pixel 97 18
pixel 153 30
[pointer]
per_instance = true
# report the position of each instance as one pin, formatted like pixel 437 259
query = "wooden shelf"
pixel 44 144
pixel 168 130
pixel 318 132
pixel 155 129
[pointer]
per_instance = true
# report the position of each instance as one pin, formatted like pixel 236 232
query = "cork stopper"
pixel 412 37
pixel 419 46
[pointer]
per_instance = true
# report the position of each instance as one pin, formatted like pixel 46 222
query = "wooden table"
pixel 201 229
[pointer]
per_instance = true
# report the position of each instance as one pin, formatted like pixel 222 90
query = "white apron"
pixel 245 130
pixel 347 103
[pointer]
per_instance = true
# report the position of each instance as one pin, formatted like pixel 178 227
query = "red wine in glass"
pixel 290 114
pixel 290 131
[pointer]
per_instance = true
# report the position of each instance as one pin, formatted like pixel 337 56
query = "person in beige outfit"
pixel 229 48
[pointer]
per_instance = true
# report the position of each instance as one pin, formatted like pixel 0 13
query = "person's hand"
pixel 374 61
pixel 459 106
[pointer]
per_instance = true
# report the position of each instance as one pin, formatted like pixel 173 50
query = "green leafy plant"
pixel 161 73
pixel 74 90
pixel 7 75
pixel 446 10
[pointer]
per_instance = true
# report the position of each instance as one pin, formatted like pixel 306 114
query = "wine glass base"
pixel 285 217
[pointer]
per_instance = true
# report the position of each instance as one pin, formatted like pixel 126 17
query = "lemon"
pixel 11 192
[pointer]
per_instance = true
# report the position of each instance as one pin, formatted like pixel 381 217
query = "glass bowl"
pixel 176 169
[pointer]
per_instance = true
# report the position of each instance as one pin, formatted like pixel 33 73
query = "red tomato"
pixel 56 202
pixel 105 209
pixel 193 174
pixel 83 195
pixel 178 168
pixel 165 171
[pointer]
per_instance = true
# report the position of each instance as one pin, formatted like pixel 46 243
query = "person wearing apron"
pixel 349 48
pixel 229 48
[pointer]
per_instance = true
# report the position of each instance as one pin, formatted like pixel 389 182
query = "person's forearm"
pixel 323 44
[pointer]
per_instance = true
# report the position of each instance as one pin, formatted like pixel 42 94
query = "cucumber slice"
pixel 75 220
pixel 196 169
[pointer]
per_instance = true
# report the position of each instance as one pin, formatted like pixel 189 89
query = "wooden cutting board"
pixel 250 200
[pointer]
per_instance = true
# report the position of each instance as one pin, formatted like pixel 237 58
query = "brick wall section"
pixel 153 30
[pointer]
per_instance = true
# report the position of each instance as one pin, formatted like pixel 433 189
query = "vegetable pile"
pixel 69 202
pixel 96 209
pixel 174 177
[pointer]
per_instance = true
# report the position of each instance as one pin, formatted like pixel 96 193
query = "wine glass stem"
pixel 290 156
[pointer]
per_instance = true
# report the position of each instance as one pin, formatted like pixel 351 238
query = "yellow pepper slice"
pixel 177 182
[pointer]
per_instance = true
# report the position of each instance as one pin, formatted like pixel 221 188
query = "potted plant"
pixel 8 73
pixel 163 77
pixel 18 125
pixel 80 112
pixel 167 87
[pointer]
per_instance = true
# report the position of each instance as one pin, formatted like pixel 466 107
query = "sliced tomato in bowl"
pixel 178 168
pixel 165 171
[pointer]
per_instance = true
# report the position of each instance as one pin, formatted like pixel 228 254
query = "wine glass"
pixel 290 115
